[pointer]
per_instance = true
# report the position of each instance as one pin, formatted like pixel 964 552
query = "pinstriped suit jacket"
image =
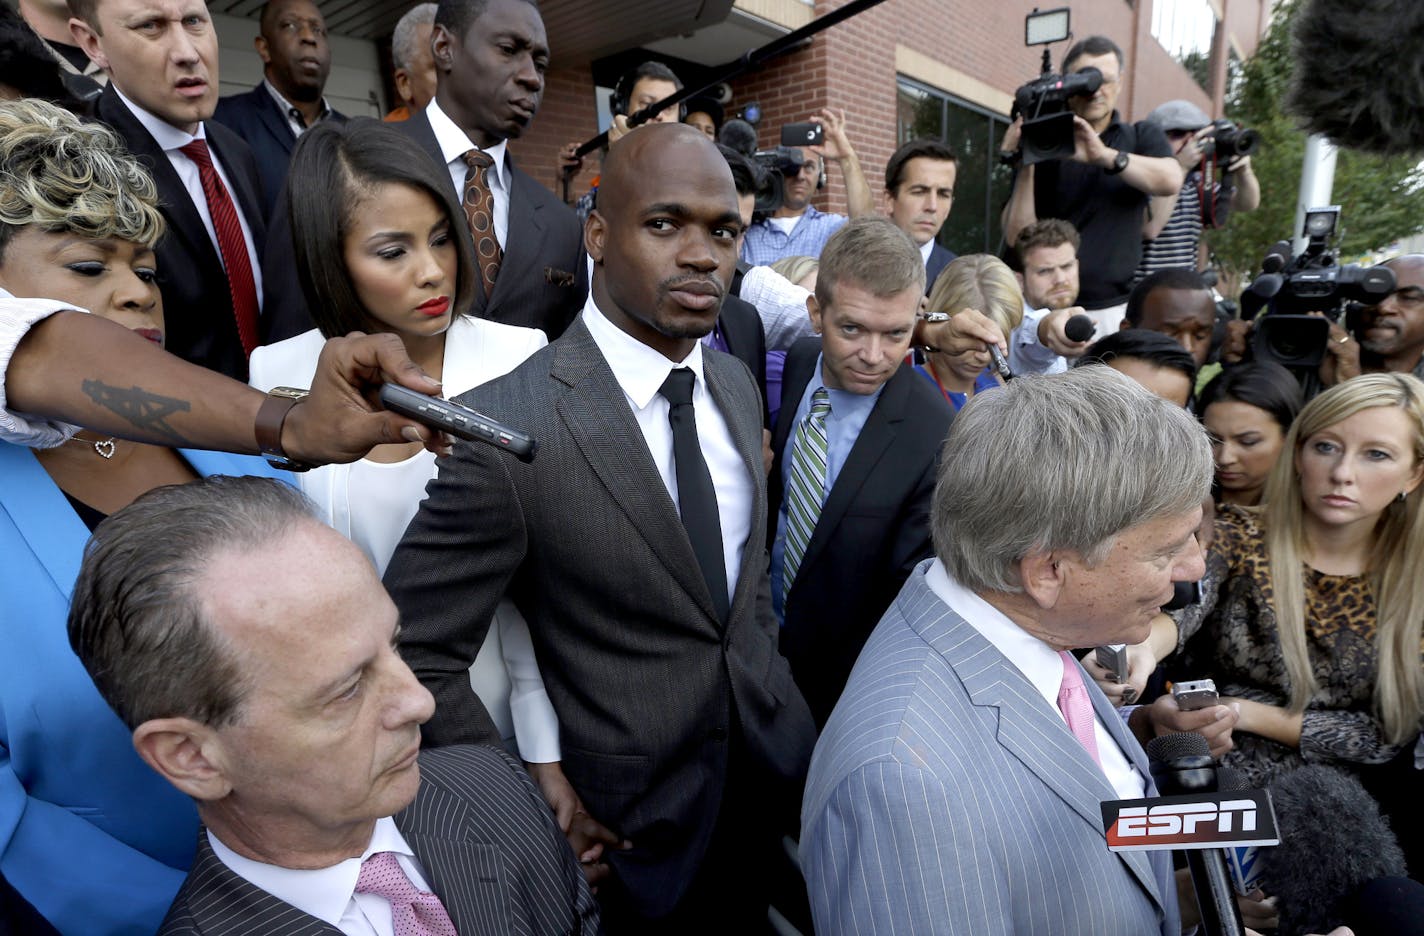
pixel 485 839
pixel 945 796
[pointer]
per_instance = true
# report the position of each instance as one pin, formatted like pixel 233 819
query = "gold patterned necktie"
pixel 479 212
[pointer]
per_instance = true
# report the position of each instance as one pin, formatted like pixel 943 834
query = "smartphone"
pixel 1194 694
pixel 460 421
pixel 802 134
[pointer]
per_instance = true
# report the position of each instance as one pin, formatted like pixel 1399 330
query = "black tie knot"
pixel 677 389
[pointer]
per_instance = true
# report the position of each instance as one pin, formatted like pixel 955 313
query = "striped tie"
pixel 806 488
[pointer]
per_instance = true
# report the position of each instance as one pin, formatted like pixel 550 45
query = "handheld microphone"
pixel 1079 328
pixel 460 421
pixel 1000 365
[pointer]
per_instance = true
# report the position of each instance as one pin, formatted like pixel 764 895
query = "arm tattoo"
pixel 145 411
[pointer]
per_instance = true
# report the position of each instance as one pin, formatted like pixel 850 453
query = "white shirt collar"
pixel 1038 662
pixel 167 136
pixel 454 143
pixel 639 370
pixel 926 249
pixel 323 893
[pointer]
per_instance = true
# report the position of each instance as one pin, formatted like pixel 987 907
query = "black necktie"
pixel 696 497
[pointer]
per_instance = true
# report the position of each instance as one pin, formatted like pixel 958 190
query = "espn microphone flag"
pixel 1204 820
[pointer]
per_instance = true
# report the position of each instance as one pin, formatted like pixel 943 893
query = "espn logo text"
pixel 1208 820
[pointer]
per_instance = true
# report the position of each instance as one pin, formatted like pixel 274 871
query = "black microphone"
pixel 1182 764
pixel 1392 906
pixel 740 136
pixel 1347 83
pixel 1277 258
pixel 1333 840
pixel 1079 328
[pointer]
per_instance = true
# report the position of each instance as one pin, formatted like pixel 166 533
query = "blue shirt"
pixel 849 411
pixel 985 381
pixel 765 244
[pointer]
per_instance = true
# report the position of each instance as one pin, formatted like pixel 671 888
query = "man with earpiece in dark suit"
pixel 251 651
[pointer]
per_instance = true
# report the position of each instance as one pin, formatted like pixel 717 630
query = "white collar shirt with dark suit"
pixel 478 834
pixel 649 683
pixel 542 280
pixel 948 795
pixel 170 139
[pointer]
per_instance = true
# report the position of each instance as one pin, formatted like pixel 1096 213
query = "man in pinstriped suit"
pixel 956 786
pixel 252 651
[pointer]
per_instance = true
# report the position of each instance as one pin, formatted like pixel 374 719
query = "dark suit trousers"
pixel 744 870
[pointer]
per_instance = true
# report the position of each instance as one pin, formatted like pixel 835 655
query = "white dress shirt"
pixel 454 144
pixel 926 249
pixel 1027 355
pixel 1039 663
pixel 640 371
pixel 329 894
pixel 17 316
pixel 170 139
pixel 781 305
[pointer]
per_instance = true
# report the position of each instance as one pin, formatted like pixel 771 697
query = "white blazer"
pixel 372 503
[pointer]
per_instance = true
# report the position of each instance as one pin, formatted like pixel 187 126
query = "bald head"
pixel 1394 329
pixel 663 237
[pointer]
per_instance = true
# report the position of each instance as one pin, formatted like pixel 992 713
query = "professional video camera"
pixel 1291 287
pixel 1043 103
pixel 771 165
pixel 1229 141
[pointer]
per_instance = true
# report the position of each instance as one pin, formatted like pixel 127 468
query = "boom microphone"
pixel 1333 840
pixel 1356 78
pixel 1078 328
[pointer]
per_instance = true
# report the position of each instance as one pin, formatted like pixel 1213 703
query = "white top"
pixel 1039 663
pixel 372 503
pixel 170 138
pixel 454 144
pixel 16 318
pixel 781 305
pixel 785 225
pixel 926 249
pixel 329 894
pixel 640 371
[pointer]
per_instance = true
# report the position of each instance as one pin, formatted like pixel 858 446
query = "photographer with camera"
pixel 1390 335
pixel 1103 187
pixel 797 228
pixel 1172 234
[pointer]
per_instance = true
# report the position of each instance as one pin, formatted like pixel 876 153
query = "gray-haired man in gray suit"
pixel 956 786
pixel 642 572
pixel 252 651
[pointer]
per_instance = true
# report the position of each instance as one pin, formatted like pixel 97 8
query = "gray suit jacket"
pixel 945 796
pixel 645 680
pixel 485 839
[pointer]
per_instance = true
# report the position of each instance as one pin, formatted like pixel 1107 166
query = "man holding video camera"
pixel 1172 237
pixel 1103 188
pixel 796 228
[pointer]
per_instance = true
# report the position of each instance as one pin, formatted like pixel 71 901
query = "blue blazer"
pixel 945 796
pixel 97 841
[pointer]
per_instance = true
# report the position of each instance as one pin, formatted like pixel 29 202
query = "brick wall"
pixel 852 66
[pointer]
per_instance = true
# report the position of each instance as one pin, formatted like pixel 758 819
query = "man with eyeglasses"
pixel 1103 189
pixel 797 229
pixel 296 60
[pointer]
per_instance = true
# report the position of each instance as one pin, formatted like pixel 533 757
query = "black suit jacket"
pixel 543 278
pixel 740 324
pixel 646 679
pixel 873 529
pixel 258 119
pixel 485 839
pixel 939 259
pixel 197 304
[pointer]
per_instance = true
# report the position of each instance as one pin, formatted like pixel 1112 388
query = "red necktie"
pixel 231 245
pixel 414 912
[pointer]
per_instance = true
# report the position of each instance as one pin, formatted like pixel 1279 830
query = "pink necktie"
pixel 1076 707
pixel 414 912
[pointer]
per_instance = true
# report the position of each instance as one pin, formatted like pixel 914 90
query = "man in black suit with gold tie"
pixel 633 544
pixel 251 649
pixel 162 61
pixel 855 449
pixel 490 56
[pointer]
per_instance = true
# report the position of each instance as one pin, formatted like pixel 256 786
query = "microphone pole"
pixel 748 61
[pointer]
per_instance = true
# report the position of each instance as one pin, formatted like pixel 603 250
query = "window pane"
pixel 918 114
